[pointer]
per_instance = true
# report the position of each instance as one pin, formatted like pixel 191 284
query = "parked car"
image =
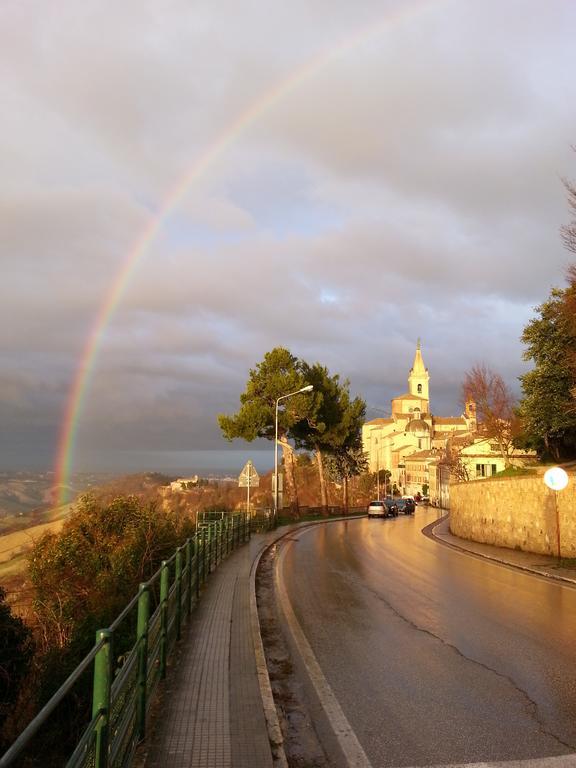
pixel 376 509
pixel 385 508
pixel 425 500
pixel 391 507
pixel 406 506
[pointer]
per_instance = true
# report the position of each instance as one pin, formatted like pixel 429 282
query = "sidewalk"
pixel 544 565
pixel 212 713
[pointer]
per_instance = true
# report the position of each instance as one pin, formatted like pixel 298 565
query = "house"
pixel 423 451
pixel 412 429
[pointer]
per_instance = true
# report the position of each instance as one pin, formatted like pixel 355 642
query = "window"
pixel 419 389
pixel 486 470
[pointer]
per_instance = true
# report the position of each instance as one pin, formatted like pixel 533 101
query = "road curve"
pixel 432 657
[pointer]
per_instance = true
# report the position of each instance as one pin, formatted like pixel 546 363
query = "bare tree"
pixel 569 230
pixel 495 407
pixel 453 460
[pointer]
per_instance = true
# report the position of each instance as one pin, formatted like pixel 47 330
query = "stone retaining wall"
pixel 519 513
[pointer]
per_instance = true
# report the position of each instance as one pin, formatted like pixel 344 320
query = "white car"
pixel 385 508
pixel 376 509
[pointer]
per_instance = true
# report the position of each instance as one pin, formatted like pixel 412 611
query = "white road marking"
pixel 351 747
pixel 349 744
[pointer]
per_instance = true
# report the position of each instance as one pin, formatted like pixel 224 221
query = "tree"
pixel 84 575
pixel 495 406
pixel 569 230
pixel 547 412
pixel 278 374
pixel 453 460
pixel 333 422
pixel 16 653
pixel 344 463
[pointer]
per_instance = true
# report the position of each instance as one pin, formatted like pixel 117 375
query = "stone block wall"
pixel 519 513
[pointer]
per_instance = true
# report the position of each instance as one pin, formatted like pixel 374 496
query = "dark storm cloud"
pixel 409 186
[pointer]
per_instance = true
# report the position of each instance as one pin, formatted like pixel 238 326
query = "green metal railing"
pixel 123 688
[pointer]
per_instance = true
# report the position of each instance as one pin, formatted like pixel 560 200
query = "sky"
pixel 337 178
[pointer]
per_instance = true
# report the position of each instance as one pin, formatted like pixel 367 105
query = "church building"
pixel 413 440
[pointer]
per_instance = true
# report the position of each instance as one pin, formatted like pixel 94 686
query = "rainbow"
pixel 80 385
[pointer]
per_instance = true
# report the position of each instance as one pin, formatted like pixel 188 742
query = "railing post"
pixel 142 641
pixel 164 590
pixel 178 578
pixel 211 548
pixel 197 562
pixel 189 576
pixel 101 696
pixel 205 537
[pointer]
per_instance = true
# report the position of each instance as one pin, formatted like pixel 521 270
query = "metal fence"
pixel 123 687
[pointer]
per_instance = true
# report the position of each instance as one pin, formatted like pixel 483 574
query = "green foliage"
pixel 334 420
pixel 515 472
pixel 366 483
pixel 304 460
pixel 84 575
pixel 346 463
pixel 16 653
pixel 547 409
pixel 278 374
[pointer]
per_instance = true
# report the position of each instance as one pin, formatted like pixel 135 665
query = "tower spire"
pixel 419 377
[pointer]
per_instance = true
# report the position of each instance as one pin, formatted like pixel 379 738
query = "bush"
pixel 16 653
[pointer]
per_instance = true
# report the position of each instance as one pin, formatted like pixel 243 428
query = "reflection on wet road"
pixel 435 657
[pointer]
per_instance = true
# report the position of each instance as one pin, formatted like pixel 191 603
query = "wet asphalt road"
pixel 434 656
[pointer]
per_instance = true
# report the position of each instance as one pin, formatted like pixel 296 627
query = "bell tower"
pixel 418 379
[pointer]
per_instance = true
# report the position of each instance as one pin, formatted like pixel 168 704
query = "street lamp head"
pixel 307 388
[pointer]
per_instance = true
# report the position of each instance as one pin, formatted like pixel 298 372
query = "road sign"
pixel 249 478
pixel 556 478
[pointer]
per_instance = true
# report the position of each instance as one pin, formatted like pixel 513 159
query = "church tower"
pixel 419 377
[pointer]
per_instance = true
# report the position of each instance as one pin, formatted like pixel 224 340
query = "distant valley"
pixel 24 494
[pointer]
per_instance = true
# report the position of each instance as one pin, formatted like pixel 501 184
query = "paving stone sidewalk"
pixel 211 714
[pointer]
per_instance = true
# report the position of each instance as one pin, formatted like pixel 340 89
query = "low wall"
pixel 519 513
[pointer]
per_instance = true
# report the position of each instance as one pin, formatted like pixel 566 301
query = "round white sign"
pixel 556 478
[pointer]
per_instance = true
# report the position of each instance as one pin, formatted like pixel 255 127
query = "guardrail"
pixel 124 687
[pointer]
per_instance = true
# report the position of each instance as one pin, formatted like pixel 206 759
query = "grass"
pixel 516 472
pixel 15 544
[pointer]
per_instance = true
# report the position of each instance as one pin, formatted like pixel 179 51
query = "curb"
pixel 275 735
pixel 429 531
pixel 271 716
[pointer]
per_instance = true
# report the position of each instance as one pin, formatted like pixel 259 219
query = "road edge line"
pixel 343 731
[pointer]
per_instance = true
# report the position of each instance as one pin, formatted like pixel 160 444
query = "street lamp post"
pixel 377 469
pixel 307 388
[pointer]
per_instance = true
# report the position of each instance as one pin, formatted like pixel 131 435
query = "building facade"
pixel 413 443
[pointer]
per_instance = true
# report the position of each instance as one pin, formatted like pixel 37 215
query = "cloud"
pixel 406 185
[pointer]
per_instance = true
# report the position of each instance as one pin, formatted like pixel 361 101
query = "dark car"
pixel 391 508
pixel 406 506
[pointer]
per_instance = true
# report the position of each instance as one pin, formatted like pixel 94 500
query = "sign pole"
pixel 248 497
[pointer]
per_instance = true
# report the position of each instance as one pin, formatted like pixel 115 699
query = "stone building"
pixel 412 440
pixel 412 443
